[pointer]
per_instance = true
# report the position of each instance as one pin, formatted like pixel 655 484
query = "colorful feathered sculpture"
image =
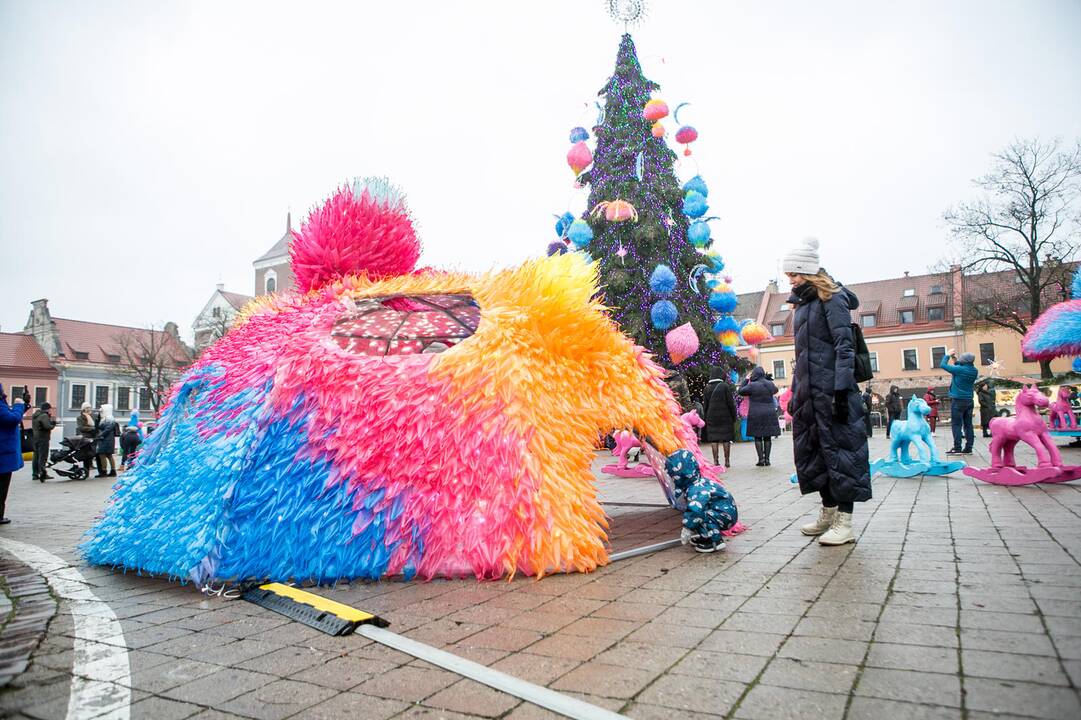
pixel 387 421
pixel 1057 331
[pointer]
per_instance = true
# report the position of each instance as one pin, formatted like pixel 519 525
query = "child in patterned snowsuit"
pixel 710 508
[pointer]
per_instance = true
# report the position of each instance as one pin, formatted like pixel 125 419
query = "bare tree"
pixel 152 359
pixel 1026 224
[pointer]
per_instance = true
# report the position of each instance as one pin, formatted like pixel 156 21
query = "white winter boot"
pixel 840 531
pixel 822 524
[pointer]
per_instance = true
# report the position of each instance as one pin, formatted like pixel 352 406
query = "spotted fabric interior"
pixel 407 324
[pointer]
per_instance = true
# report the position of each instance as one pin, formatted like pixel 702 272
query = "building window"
pixel 776 329
pixel 78 396
pixel 936 290
pixel 778 370
pixel 869 320
pixel 112 358
pixel 123 399
pixel 82 355
pixel 936 313
pixel 910 360
pixel 101 395
pixel 17 392
pixel 270 281
pixel 785 306
pixel 909 292
pixel 41 395
pixel 937 353
pixel 874 361
pixel 144 399
pixel 908 317
pixel 987 353
pixel 216 312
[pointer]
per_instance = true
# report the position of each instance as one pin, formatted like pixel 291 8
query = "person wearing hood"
pixel 963 376
pixel 11 445
pixel 105 444
pixel 932 402
pixel 711 510
pixel 986 395
pixel 129 443
pixel 42 422
pixel 828 435
pixel 762 422
pixel 868 401
pixel 88 430
pixel 719 412
pixel 894 407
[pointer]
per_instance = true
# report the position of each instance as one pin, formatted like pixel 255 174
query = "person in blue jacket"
pixel 963 374
pixel 710 508
pixel 11 449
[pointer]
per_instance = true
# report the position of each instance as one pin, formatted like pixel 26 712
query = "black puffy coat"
pixel 720 412
pixel 828 453
pixel 762 414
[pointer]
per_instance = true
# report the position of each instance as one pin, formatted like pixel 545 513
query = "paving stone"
pixel 638 612
pixel 443 632
pixel 721 666
pixel 613 681
pixel 897 656
pixel 930 635
pixel 410 684
pixel 1008 666
pixel 838 629
pixel 848 652
pixel 866 708
pixel 804 675
pixel 1016 622
pixel 761 622
pixel 538 622
pixel 659 633
pixel 1010 696
pixel 286 661
pixel 278 699
pixel 844 610
pixel 743 642
pixel 353 705
pixel 688 693
pixel 159 708
pixel 910 686
pixel 221 685
pixel 165 676
pixel 642 711
pixel 1001 640
pixel 766 702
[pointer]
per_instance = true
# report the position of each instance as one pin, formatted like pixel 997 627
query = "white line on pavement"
pixel 101 672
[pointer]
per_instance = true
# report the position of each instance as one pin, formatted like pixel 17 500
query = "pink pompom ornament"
pixel 755 334
pixel 682 342
pixel 616 211
pixel 363 229
pixel 579 157
pixel 657 130
pixel 686 135
pixel 655 110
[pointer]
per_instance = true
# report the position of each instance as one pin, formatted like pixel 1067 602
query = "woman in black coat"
pixel 828 435
pixel 719 408
pixel 762 422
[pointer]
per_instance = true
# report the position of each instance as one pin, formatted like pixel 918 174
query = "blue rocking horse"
pixel 913 431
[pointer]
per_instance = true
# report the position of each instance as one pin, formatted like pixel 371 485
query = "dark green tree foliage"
pixel 660 234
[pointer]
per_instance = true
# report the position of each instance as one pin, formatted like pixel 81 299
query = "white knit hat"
pixel 803 259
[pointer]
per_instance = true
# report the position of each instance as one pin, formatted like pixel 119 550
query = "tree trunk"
pixel 1045 369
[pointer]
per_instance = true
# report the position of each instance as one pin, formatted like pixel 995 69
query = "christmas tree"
pixel 658 270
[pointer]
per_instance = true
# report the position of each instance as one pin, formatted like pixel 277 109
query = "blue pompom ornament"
pixel 1077 364
pixel 663 280
pixel 698 233
pixel 663 314
pixel 579 134
pixel 723 302
pixel 562 223
pixel 694 204
pixel 580 233
pixel 698 185
pixel 725 323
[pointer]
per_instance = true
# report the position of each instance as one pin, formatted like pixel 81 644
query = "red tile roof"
pixel 99 340
pixel 236 299
pixel 22 351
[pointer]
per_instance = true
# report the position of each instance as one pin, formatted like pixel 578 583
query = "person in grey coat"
pixel 828 434
pixel 719 408
pixel 762 422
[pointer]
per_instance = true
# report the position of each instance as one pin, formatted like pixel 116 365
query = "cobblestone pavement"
pixel 961 600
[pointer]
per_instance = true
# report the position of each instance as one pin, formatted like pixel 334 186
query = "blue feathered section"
pixel 698 185
pixel 1075 288
pixel 663 314
pixel 725 323
pixel 169 512
pixel 723 302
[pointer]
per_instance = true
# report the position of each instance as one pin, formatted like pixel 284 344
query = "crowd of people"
pixel 100 431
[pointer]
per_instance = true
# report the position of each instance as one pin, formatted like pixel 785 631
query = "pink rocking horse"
pixel 1061 417
pixel 626 441
pixel 1030 428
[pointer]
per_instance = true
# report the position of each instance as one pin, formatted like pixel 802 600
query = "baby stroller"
pixel 75 451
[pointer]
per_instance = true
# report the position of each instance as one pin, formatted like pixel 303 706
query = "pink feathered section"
pixel 352 235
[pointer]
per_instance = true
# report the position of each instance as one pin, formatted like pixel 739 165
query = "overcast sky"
pixel 149 150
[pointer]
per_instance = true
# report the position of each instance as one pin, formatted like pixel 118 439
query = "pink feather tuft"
pixel 355 232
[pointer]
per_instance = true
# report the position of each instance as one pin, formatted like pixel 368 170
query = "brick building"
pixel 23 366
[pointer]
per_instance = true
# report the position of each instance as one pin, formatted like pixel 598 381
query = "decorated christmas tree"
pixel 651 236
